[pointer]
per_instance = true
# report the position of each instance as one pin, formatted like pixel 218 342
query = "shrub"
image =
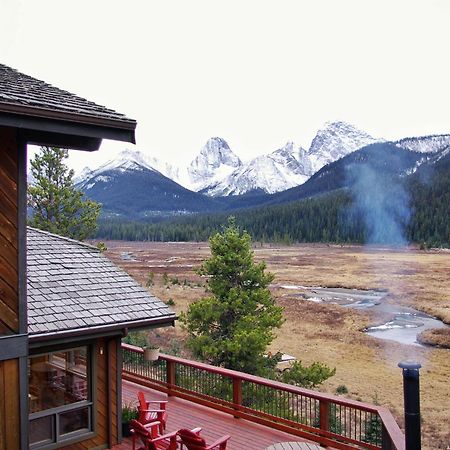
pixel 342 389
pixel 307 376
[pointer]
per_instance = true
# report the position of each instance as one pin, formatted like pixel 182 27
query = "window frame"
pixel 58 439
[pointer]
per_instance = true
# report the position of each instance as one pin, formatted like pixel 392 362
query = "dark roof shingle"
pixel 22 92
pixel 71 285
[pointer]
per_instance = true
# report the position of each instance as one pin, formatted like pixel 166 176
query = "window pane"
pixel 57 379
pixel 70 421
pixel 41 430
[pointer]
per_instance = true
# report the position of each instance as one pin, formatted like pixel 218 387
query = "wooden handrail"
pixel 262 381
pixel 392 436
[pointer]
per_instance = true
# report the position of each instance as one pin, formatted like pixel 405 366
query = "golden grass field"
pixel 329 333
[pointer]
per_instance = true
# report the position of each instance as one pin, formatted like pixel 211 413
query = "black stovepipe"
pixel 411 392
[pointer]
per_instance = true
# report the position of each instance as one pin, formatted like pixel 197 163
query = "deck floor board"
pixel 245 435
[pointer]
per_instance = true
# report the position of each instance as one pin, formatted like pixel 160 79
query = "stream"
pixel 403 325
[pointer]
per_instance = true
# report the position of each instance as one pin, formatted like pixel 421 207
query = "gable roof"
pixel 23 98
pixel 72 288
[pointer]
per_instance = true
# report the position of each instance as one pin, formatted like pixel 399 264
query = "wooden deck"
pixel 184 414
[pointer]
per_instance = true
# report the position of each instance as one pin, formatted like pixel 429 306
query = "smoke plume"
pixel 383 204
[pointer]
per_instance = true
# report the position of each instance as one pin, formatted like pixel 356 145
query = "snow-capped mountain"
pixel 129 186
pixel 287 167
pixel 218 172
pixel 215 162
pixel 128 160
pixel 291 166
pixel 425 144
pixel 335 140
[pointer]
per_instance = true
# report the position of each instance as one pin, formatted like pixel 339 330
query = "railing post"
pixel 313 409
pixel 324 415
pixel 170 376
pixel 386 442
pixel 237 394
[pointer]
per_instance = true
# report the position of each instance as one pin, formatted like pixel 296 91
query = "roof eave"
pixel 68 132
pixel 101 330
pixel 78 117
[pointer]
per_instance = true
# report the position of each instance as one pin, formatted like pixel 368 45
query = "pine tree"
pixel 233 327
pixel 57 205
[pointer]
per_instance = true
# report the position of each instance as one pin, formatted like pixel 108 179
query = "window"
pixel 60 400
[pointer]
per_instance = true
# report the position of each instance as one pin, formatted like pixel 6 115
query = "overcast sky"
pixel 257 73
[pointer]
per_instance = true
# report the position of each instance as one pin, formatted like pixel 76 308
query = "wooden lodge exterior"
pixel 53 346
pixel 80 305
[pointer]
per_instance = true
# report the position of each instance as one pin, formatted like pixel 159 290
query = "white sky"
pixel 256 72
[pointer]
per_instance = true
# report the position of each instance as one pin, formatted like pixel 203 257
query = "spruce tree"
pixel 57 206
pixel 234 325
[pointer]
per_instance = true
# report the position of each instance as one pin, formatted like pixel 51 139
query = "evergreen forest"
pixel 334 217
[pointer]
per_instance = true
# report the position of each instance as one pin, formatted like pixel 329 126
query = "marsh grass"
pixel 329 333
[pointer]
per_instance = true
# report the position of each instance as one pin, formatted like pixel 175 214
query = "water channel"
pixel 403 325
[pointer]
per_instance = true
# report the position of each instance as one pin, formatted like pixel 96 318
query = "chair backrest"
pixel 142 402
pixel 191 440
pixel 144 417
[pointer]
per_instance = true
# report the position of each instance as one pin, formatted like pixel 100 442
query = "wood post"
pixel 170 373
pixel 237 393
pixel 324 414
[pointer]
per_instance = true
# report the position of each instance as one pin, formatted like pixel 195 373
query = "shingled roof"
pixel 73 288
pixel 22 90
pixel 32 104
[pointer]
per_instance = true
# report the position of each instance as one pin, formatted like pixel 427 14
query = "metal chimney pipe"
pixel 411 392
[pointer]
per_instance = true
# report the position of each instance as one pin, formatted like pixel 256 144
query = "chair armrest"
pixel 171 436
pixel 196 430
pixel 153 410
pixel 219 441
pixel 156 401
pixel 152 424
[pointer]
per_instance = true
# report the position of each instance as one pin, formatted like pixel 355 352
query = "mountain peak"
pixel 288 147
pixel 216 159
pixel 215 143
pixel 335 140
pixel 342 127
pixel 127 159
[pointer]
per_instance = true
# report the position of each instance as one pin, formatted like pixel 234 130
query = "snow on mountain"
pixel 280 170
pixel 425 144
pixel 291 166
pixel 127 160
pixel 83 175
pixel 215 162
pixel 218 171
pixel 335 140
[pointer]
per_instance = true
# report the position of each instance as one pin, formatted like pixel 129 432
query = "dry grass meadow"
pixel 329 333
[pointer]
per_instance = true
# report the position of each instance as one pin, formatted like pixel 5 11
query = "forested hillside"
pixel 330 218
pixel 379 194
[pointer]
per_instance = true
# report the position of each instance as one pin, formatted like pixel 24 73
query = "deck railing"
pixel 326 419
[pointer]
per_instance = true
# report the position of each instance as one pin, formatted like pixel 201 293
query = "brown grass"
pixel 438 337
pixel 315 332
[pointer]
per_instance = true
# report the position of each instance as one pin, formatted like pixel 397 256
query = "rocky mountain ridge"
pixel 218 172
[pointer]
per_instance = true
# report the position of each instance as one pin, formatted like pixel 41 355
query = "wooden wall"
pixel 9 303
pixel 9 297
pixel 106 399
pixel 10 398
pixel 9 405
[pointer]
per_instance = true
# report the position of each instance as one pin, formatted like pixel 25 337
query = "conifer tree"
pixel 57 205
pixel 234 325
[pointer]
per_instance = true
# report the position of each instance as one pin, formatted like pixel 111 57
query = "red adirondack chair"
pixel 193 441
pixel 150 438
pixel 147 414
